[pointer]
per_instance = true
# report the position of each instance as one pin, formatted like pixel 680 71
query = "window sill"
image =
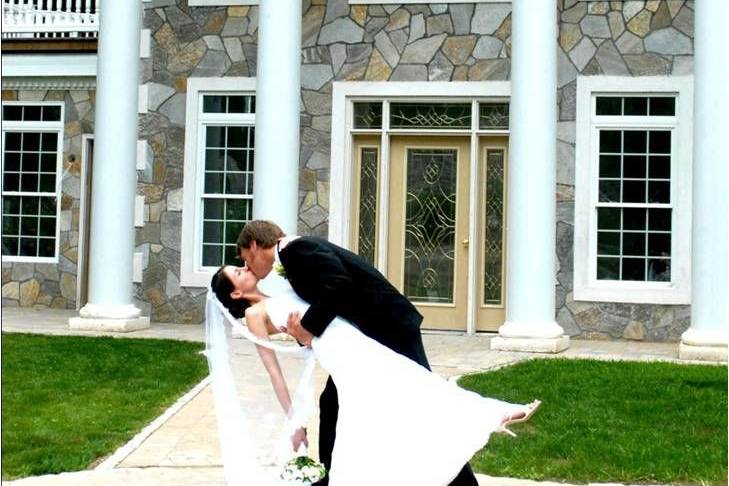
pixel 630 293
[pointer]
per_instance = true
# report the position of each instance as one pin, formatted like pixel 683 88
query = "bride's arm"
pixel 260 325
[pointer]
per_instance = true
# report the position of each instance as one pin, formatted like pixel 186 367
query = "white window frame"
pixel 191 273
pixel 38 126
pixel 586 285
pixel 409 2
pixel 220 3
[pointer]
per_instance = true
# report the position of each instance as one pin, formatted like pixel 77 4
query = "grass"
pixel 69 401
pixel 610 422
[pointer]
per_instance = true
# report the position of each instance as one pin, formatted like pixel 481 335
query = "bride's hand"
pixel 299 438
pixel 297 331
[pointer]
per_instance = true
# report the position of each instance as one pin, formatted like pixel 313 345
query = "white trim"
pixel 190 274
pixel 137 270
pixel 586 285
pixel 138 211
pixel 36 126
pixel 143 102
pixel 83 220
pixel 142 154
pixel 43 65
pixel 220 3
pixel 145 43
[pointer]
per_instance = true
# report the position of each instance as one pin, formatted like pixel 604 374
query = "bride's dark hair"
pixel 222 286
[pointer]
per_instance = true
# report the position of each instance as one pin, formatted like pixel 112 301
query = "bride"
pixel 398 422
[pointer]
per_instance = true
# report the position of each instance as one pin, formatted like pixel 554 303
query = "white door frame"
pixel 340 187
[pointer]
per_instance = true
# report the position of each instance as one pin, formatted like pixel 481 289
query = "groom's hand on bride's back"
pixel 297 331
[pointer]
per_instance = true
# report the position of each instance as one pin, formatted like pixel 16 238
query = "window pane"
pixel 213 208
pixel 212 231
pixel 236 160
pixel 608 268
pixel 48 162
pixel 12 113
pixel 51 113
pixel 11 225
pixel 659 192
pixel 29 226
pixel 633 268
pixel 634 244
pixel 28 247
pixel 31 141
pixel 659 270
pixel 636 106
pixel 368 115
pixel 11 181
pixel 608 243
pixel 231 256
pixel 232 230
pixel 12 161
pixel 634 191
pixel 31 113
pixel 235 183
pixel 609 166
pixel 11 246
pixel 610 141
pixel 634 219
pixel 659 244
pixel 609 191
pixel 47 227
pixel 659 167
pixel 11 204
pixel 659 219
pixel 662 106
pixel 609 105
pixel 46 247
pixel 29 205
pixel 215 137
pixel 494 116
pixel 236 104
pixel 608 218
pixel 30 162
pixel 48 206
pixel 12 140
pixel 634 141
pixel 48 183
pixel 212 255
pixel 430 115
pixel 29 183
pixel 214 104
pixel 215 159
pixel 634 166
pixel 660 142
pixel 238 210
pixel 49 142
pixel 236 137
pixel 214 183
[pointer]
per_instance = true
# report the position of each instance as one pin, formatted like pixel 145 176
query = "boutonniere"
pixel 280 269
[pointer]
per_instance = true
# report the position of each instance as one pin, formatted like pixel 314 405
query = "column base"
pixel 703 345
pixel 530 345
pixel 108 324
pixel 110 318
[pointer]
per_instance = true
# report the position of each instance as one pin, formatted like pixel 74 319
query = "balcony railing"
pixel 50 19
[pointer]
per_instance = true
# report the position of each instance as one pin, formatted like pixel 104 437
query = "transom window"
pixel 632 213
pixel 32 137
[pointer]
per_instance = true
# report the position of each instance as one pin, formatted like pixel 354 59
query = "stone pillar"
pixel 707 337
pixel 113 187
pixel 531 204
pixel 276 173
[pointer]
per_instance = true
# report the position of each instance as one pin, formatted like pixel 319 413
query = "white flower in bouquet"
pixel 302 470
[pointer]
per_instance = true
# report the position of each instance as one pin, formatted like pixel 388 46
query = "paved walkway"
pixel 180 448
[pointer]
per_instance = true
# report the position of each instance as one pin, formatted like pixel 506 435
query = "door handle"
pixel 465 243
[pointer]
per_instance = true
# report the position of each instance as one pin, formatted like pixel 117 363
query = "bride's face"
pixel 242 279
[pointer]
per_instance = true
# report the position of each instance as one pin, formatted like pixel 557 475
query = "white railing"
pixel 48 19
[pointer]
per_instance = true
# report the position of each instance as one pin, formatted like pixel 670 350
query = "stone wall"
pixel 435 42
pixel 51 284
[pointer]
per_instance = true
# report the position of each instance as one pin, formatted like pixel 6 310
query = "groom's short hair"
pixel 264 233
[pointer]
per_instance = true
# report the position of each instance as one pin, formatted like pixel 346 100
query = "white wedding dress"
pixel 398 423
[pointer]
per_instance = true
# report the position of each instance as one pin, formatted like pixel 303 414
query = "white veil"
pixel 238 450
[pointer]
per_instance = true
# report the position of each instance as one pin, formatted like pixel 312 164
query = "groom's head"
pixel 256 243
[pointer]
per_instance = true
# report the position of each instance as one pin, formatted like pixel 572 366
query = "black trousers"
pixel 329 408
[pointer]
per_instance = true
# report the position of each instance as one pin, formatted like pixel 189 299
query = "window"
pixel 218 186
pixel 632 214
pixel 32 149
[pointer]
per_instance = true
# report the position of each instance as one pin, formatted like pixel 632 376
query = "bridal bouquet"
pixel 302 471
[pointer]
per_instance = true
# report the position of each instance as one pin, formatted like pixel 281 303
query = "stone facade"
pixel 50 284
pixel 434 42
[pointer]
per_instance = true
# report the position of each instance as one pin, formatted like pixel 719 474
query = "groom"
pixel 337 282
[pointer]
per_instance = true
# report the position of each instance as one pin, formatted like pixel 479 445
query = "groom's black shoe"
pixel 465 478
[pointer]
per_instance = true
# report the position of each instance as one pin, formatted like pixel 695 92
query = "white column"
pixel 276 173
pixel 530 237
pixel 707 337
pixel 113 187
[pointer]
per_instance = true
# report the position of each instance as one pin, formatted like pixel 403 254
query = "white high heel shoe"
pixel 529 410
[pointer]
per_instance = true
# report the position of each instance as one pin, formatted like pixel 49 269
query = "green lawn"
pixel 68 401
pixel 610 422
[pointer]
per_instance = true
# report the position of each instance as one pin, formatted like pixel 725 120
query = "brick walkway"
pixel 180 448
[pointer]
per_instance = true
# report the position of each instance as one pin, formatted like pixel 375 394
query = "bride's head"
pixel 235 288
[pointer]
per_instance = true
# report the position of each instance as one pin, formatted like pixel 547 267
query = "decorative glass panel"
pixel 367 238
pixel 430 225
pixel 493 116
pixel 494 225
pixel 430 115
pixel 368 115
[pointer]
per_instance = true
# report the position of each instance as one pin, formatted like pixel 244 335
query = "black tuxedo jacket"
pixel 337 282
